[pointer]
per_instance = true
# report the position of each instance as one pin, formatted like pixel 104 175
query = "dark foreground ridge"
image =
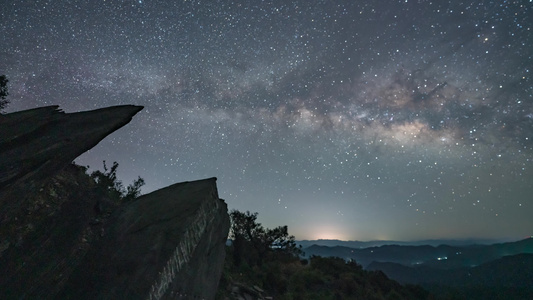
pixel 63 238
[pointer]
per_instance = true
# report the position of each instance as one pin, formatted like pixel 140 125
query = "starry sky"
pixel 352 120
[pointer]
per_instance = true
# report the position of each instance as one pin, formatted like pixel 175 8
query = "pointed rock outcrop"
pixel 37 142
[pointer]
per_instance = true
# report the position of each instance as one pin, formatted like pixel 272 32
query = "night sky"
pixel 353 120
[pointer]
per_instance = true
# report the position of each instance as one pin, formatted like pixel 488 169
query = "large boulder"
pixel 169 244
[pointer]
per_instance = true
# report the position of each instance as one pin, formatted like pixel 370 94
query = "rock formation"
pixel 168 244
pixel 61 238
pixel 36 143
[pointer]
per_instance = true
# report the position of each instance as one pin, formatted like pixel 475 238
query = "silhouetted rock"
pixel 36 143
pixel 168 244
pixel 46 203
pixel 61 237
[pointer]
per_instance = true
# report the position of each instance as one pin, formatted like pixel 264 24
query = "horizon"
pixel 349 120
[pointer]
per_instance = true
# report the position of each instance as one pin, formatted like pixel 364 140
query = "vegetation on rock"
pixel 109 184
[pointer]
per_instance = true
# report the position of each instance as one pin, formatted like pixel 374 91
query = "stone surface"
pixel 168 244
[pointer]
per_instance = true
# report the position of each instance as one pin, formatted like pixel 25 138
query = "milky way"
pixel 341 119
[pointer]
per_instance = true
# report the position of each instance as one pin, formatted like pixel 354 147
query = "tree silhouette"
pixel 253 243
pixel 133 190
pixel 108 182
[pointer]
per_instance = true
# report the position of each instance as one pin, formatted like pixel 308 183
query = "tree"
pixel 133 190
pixel 3 92
pixel 254 243
pixel 279 238
pixel 244 225
pixel 110 184
pixel 245 233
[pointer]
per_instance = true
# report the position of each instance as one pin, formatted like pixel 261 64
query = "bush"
pixel 109 184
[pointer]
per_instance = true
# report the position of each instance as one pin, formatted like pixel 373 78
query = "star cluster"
pixel 342 119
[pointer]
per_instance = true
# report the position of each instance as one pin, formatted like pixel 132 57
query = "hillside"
pixel 316 278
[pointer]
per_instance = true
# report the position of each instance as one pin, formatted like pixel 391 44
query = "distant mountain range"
pixel 495 271
pixel 509 277
pixel 440 257
pixel 510 271
pixel 367 244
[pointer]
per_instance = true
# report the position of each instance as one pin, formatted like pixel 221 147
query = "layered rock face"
pixel 61 238
pixel 168 244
